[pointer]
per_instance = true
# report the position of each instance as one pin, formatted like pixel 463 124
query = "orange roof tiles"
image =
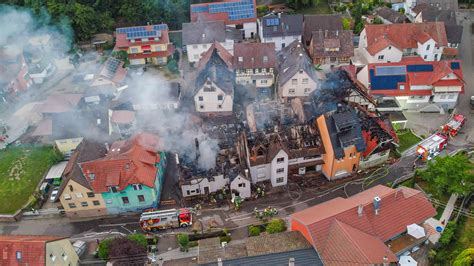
pixel 127 162
pixel 331 223
pixel 404 35
pixel 32 249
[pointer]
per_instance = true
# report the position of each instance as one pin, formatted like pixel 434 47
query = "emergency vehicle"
pixel 173 218
pixel 431 147
pixel 454 125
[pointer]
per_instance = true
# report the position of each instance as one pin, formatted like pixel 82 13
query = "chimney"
pixel 203 35
pixel 337 33
pixel 219 262
pixel 291 262
pixel 107 147
pixel 377 204
pixel 279 15
pixel 360 210
pixel 246 173
pixel 325 33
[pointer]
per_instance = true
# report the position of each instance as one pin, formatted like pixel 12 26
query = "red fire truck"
pixel 454 125
pixel 432 146
pixel 155 220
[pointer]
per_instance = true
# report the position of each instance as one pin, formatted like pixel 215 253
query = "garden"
pixel 21 170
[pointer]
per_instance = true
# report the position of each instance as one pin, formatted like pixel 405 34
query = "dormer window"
pixel 18 255
pixel 241 59
pixel 113 189
pixel 91 176
pixel 265 58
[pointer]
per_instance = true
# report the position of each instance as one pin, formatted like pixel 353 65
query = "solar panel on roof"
pixel 236 10
pixel 420 68
pixel 111 67
pixel 455 65
pixel 390 70
pixel 385 82
pixel 199 9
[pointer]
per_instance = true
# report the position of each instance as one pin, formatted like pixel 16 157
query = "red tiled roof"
pixel 440 70
pixel 404 35
pixel 123 116
pixel 32 249
pixel 122 41
pixel 223 53
pixel 450 51
pixel 127 162
pixel 398 208
pixel 206 16
pixel 373 251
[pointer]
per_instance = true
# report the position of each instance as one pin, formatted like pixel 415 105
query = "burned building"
pixel 296 149
pixel 229 170
pixel 341 134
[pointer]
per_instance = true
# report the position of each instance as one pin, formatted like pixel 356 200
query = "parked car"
pixel 54 194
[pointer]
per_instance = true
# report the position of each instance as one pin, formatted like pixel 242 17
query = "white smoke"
pixel 177 130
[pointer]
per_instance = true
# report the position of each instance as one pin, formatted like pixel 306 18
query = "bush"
pixel 139 239
pixel 104 248
pixel 346 23
pixel 195 237
pixel 225 239
pixel 193 244
pixel 172 66
pixel 448 233
pixel 254 230
pixel 183 241
pixel 262 10
pixel 276 226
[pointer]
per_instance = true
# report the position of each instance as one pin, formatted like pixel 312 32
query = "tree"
pixel 448 233
pixel 346 23
pixel 183 241
pixel 450 174
pixel 465 258
pixel 276 226
pixel 122 56
pixel 401 10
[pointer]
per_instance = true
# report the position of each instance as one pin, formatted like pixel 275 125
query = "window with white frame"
pixel 137 186
pixel 291 91
pixel 305 81
pixel 294 81
pixel 307 90
pixel 280 179
pixel 241 59
pixel 79 195
pixel 280 170
pixel 381 57
pixel 281 160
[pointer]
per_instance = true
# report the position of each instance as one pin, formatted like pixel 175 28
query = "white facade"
pixel 242 186
pixel 276 171
pixel 260 77
pixel 250 30
pixel 195 51
pixel 428 51
pixel 210 98
pixel 300 85
pixel 202 186
pixel 39 78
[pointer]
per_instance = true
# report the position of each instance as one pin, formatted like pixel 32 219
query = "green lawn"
pixel 407 139
pixel 319 7
pixel 21 169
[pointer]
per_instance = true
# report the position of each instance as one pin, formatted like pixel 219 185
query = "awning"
pixel 56 171
pixel 407 261
pixel 416 231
